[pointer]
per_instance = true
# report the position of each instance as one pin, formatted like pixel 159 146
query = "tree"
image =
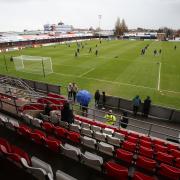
pixel 124 28
pixel 118 27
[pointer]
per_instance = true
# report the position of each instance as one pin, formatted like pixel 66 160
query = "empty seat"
pixel 132 139
pixel 36 122
pixel 129 146
pixel 85 125
pixel 146 138
pixel 116 171
pixel 27 118
pixel 38 138
pixel 53 144
pixel 63 124
pixel 145 144
pixel 106 148
pixel 20 153
pixel 119 135
pixel 38 173
pixel 24 130
pixel 141 176
pixel 3 120
pixel 92 160
pixel 166 158
pixel 37 163
pixel 48 127
pixel 125 132
pixel 172 146
pixel 159 148
pixel 77 122
pixel 148 152
pixel 158 142
pixel 71 151
pixel 169 172
pixel 60 175
pixel 6 144
pixel 146 163
pixel 60 132
pixel 10 126
pixel 175 153
pixel 99 136
pixel 125 156
pixel 108 131
pixel 75 128
pixel 177 163
pixel 135 135
pixel 74 137
pixel 113 140
pixel 89 142
pixel 96 128
pixel 86 132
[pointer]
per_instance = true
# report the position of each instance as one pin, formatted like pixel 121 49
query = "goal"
pixel 33 64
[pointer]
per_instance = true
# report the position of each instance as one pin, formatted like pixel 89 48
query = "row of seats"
pixel 129 135
pixel 36 167
pixel 160 155
pixel 92 155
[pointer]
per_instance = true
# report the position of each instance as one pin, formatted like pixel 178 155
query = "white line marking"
pixel 159 77
pixel 86 72
pixel 119 83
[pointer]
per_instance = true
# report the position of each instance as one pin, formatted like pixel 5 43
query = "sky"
pixel 17 15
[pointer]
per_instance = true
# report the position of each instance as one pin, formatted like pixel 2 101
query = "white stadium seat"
pixel 89 142
pixel 60 175
pixel 106 148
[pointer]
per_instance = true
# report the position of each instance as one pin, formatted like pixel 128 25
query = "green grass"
pixel 125 76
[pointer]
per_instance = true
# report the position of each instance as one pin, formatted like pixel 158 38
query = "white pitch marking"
pixel 86 72
pixel 119 83
pixel 159 77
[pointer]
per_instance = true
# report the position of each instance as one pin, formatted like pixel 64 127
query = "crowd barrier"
pixel 160 112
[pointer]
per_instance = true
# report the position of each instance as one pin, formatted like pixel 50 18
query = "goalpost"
pixel 33 64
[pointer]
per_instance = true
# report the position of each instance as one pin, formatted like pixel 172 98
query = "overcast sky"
pixel 33 14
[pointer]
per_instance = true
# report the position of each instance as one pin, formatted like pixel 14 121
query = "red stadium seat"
pixel 116 171
pixel 21 153
pixel 60 132
pixel 74 137
pixel 132 139
pixel 148 152
pixel 158 142
pixel 177 163
pixel 165 158
pixel 145 144
pixel 129 146
pixel 124 156
pixel 6 144
pixel 123 132
pixel 159 148
pixel 146 163
pixel 53 144
pixel 24 130
pixel 169 172
pixel 37 138
pixel 134 135
pixel 172 146
pixel 146 138
pixel 48 127
pixel 141 176
pixel 175 153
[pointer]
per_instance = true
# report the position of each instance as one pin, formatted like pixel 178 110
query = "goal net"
pixel 33 64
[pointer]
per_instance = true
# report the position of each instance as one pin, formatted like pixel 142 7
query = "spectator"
pixel 67 114
pixel 47 109
pixel 124 120
pixel 69 89
pixel 84 109
pixel 74 91
pixel 111 119
pixel 103 100
pixel 97 97
pixel 146 107
pixel 136 104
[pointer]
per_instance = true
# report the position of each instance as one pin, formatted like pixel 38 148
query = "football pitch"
pixel 119 69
